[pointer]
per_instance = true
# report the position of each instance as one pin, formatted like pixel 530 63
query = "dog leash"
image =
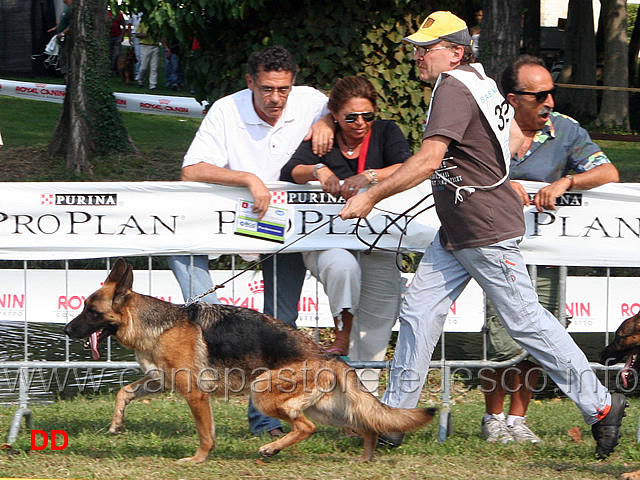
pixel 372 245
pixel 403 231
pixel 252 265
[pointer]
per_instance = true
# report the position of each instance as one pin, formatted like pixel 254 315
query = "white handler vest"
pixel 496 110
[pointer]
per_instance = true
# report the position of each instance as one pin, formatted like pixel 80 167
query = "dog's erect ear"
pixel 117 272
pixel 123 287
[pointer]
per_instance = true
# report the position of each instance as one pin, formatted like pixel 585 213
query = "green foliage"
pixel 632 13
pixel 330 40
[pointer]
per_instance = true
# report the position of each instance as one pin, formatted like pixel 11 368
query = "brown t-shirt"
pixel 474 157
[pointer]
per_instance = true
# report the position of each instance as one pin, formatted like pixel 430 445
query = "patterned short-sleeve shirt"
pixel 561 146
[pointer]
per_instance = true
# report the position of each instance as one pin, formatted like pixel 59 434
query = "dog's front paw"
pixel 268 450
pixel 194 459
pixel 364 458
pixel 199 457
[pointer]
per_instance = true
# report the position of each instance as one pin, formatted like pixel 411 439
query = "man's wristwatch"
pixel 572 180
pixel 316 168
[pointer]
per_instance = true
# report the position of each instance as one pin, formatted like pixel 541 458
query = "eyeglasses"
pixel 268 91
pixel 353 116
pixel 539 96
pixel 422 51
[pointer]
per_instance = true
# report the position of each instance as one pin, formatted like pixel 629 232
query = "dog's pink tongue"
pixel 93 343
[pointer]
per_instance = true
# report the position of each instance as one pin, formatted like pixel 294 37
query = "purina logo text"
pixel 565 200
pixel 84 199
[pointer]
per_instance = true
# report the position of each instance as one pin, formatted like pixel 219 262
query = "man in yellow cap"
pixel 468 142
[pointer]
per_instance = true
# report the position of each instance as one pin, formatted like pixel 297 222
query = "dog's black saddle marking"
pixel 235 333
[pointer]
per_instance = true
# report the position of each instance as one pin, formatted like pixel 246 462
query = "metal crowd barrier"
pixel 447 367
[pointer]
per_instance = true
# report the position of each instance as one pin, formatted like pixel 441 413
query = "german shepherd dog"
pixel 625 344
pixel 205 349
pixel 125 65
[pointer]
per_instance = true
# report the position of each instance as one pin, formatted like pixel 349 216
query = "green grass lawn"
pixel 625 156
pixel 27 127
pixel 161 430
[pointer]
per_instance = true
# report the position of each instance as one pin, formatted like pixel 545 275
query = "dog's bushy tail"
pixel 367 411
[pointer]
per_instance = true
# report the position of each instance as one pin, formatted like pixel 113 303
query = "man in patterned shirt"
pixel 556 150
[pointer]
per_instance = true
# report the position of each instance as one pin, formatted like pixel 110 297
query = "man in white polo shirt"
pixel 244 141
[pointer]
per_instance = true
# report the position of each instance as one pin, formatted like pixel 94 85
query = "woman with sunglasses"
pixel 364 288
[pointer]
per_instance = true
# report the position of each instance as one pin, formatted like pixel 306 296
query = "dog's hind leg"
pixel 301 429
pixel 201 410
pixel 274 405
pixel 140 388
pixel 370 439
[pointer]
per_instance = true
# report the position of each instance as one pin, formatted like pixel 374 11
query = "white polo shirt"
pixel 233 136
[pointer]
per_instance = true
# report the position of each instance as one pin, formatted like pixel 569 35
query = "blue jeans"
pixel 196 284
pixel 501 271
pixel 173 71
pixel 288 269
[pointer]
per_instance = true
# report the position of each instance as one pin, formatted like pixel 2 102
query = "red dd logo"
pixel 245 205
pixel 45 439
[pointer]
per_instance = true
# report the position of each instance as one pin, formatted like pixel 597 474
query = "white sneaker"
pixel 522 433
pixel 495 430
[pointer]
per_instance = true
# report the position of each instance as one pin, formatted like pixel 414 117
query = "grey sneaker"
pixel 494 430
pixel 521 433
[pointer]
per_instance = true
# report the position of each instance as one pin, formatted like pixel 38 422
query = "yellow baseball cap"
pixel 440 26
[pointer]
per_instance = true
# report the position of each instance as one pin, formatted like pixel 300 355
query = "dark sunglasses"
pixel 540 96
pixel 353 116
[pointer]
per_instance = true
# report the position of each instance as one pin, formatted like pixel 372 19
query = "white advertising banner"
pixel 598 227
pixel 598 304
pixel 69 220
pixel 127 102
pixel 93 220
pixel 55 296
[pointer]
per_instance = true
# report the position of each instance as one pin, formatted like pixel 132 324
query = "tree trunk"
pixel 634 50
pixel 465 11
pixel 531 30
pixel 500 36
pixel 90 123
pixel 579 62
pixel 614 111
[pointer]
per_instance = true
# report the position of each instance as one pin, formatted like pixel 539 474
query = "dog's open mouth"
pixel 630 367
pixel 94 340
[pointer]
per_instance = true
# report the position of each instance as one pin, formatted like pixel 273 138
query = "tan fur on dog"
pixel 208 349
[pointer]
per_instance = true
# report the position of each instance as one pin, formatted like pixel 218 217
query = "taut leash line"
pixel 371 246
pixel 252 265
